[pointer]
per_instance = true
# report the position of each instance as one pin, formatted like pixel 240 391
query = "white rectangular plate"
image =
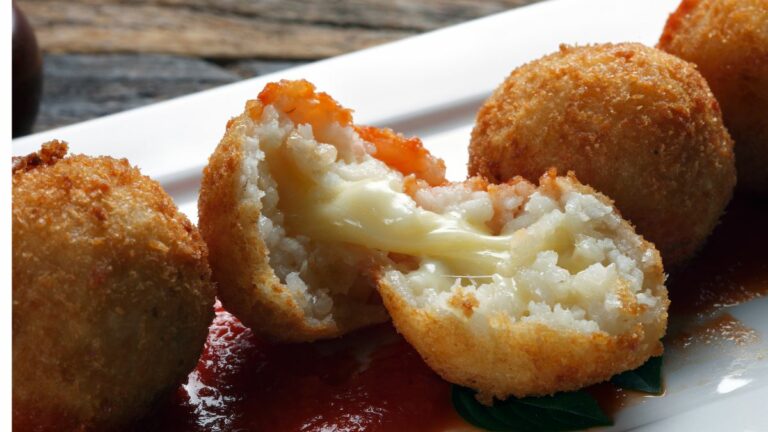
pixel 431 86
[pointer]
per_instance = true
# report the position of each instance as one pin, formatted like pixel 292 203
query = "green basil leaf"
pixel 577 410
pixel 561 412
pixel 472 411
pixel 514 414
pixel 646 378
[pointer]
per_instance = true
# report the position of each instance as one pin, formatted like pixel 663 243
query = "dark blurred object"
pixel 27 75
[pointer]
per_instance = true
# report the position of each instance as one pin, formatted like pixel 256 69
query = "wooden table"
pixel 105 56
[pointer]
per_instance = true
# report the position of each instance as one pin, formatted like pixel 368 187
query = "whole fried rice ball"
pixel 728 41
pixel 635 123
pixel 111 293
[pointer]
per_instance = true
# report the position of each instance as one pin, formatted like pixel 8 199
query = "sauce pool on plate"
pixel 373 380
pixel 732 268
pixel 370 380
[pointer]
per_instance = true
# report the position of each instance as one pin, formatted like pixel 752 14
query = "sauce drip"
pixel 244 383
pixel 610 398
pixel 733 266
pixel 721 329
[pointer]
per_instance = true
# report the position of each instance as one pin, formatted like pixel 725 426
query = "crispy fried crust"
pixel 111 292
pixel 49 154
pixel 728 41
pixel 523 358
pixel 635 123
pixel 239 258
pixel 248 286
pixel 518 359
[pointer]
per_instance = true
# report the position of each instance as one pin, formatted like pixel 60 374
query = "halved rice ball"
pixel 511 289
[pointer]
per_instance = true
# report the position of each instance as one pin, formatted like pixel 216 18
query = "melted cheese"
pixel 376 213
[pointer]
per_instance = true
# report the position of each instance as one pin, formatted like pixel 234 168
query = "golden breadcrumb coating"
pixel 633 122
pixel 728 42
pixel 111 292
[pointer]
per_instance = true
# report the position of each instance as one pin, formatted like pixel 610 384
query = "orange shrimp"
pixel 406 155
pixel 304 104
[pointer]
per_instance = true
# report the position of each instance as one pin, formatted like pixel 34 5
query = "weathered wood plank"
pixel 289 29
pixel 419 15
pixel 243 37
pixel 252 68
pixel 83 28
pixel 81 87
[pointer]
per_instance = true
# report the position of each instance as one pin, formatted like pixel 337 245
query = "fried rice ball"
pixel 511 289
pixel 728 41
pixel 111 292
pixel 578 298
pixel 280 283
pixel 633 122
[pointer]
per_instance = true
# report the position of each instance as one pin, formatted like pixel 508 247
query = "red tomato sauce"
pixel 371 380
